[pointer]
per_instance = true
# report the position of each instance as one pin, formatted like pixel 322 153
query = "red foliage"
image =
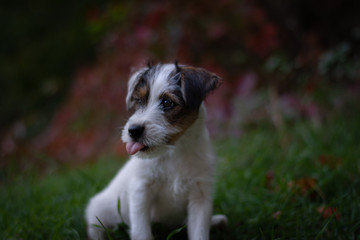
pixel 222 36
pixel 269 179
pixel 328 160
pixel 329 212
pixel 87 123
pixel 262 35
pixel 306 187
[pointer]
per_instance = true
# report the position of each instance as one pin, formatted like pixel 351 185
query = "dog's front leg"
pixel 199 212
pixel 140 206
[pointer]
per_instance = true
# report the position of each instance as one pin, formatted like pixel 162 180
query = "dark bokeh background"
pixel 64 66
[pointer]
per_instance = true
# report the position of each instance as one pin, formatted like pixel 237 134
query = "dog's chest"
pixel 171 199
pixel 172 178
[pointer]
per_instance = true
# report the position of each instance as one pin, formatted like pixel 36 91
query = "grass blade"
pixel 105 229
pixel 176 231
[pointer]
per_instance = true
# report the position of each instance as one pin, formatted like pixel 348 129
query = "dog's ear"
pixel 134 81
pixel 196 84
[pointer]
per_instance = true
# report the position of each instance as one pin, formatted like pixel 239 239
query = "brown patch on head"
pixel 195 84
pixel 180 117
pixel 188 118
pixel 140 94
pixel 139 87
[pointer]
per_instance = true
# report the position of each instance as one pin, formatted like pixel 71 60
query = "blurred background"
pixel 64 66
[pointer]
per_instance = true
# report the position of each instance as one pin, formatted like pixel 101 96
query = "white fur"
pixel 172 185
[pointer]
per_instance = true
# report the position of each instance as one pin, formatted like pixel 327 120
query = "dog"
pixel 169 177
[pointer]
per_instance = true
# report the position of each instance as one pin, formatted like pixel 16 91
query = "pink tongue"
pixel 134 147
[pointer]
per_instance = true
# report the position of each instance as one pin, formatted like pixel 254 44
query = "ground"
pixel 299 182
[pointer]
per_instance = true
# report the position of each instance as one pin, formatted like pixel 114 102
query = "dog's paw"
pixel 219 221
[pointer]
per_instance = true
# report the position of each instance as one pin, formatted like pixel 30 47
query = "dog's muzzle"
pixel 135 132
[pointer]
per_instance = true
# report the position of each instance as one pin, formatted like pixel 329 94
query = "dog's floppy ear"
pixel 196 84
pixel 134 80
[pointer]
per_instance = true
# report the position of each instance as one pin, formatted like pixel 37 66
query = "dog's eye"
pixel 139 101
pixel 167 104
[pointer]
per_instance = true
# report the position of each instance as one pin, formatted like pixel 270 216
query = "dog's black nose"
pixel 136 131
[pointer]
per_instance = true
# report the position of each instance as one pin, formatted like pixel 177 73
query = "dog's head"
pixel 165 99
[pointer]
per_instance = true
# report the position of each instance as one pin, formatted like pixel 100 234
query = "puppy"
pixel 169 178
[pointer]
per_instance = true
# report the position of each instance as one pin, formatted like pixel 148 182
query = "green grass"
pixel 258 175
pixel 51 207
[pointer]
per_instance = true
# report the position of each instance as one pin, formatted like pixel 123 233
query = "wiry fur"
pixel 170 181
